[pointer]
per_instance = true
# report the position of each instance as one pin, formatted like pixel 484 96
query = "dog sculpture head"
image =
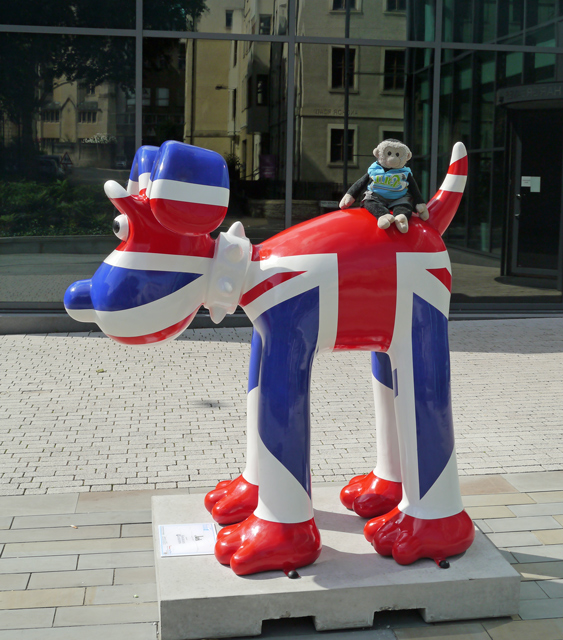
pixel 151 287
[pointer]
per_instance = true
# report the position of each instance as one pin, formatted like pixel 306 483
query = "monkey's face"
pixel 393 155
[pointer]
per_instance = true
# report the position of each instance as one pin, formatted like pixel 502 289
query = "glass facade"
pixel 295 95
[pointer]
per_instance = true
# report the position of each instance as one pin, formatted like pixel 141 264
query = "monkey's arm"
pixel 359 187
pixel 414 191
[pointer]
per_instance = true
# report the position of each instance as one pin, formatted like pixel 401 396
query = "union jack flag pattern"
pixel 333 282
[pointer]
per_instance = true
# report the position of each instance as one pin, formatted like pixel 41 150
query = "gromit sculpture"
pixel 335 282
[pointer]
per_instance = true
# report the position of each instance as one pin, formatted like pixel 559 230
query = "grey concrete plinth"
pixel 199 598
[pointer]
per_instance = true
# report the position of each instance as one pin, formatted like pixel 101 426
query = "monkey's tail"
pixel 443 206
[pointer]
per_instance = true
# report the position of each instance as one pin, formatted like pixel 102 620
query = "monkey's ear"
pixel 376 152
pixel 409 155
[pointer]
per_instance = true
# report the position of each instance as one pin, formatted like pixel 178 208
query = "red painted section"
pixel 187 218
pixel 266 285
pixel 147 235
pixel 259 545
pixel 408 539
pixel 159 336
pixel 367 279
pixel 370 496
pixel 444 276
pixel 232 501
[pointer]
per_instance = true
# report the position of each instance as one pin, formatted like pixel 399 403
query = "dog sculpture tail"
pixel 444 204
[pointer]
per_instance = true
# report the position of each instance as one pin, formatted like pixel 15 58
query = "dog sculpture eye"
pixel 121 227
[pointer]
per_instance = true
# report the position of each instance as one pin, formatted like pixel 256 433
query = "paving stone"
pixel 59 579
pixel 109 501
pixel 529 523
pixel 82 519
pixel 534 590
pixel 35 505
pixel 472 485
pixel 552 588
pixel 105 545
pixel 26 618
pixel 106 614
pixel 45 563
pixel 540 570
pixel 135 575
pixel 122 594
pixel 115 560
pixel 538 609
pixel 5 523
pixel 12 582
pixel 507 629
pixel 548 496
pixel 531 482
pixel 59 533
pixel 141 631
pixel 553 536
pixel 134 530
pixel 445 631
pixel 554 509
pixel 480 513
pixel 537 554
pixel 41 598
pixel 513 539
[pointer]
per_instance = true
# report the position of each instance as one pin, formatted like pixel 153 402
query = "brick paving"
pixel 79 412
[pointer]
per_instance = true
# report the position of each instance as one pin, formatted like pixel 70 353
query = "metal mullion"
pixel 198 35
pixel 435 126
pixel 66 31
pixel 139 74
pixel 290 115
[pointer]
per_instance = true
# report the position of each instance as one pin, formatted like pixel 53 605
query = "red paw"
pixel 232 500
pixel 370 496
pixel 408 539
pixel 259 545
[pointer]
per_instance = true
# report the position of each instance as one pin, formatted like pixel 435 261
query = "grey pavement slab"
pixel 44 563
pixel 121 594
pixel 135 575
pixel 141 631
pixel 68 532
pixel 525 523
pixel 41 598
pixel 88 546
pixel 536 481
pixel 341 590
pixel 538 609
pixel 82 519
pixel 106 614
pixel 59 579
pixel 35 505
pixel 26 618
pixel 114 560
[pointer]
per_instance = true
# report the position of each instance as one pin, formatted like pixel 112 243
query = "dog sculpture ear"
pixel 188 189
pixel 141 170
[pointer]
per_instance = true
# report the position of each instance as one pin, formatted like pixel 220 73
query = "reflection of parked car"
pixel 50 167
pixel 121 162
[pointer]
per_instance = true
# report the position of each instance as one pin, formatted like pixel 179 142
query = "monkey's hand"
pixel 422 211
pixel 346 201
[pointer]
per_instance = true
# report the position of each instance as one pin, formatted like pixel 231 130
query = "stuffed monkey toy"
pixel 389 189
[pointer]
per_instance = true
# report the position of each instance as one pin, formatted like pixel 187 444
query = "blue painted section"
pixel 143 162
pixel 116 288
pixel 255 359
pixel 433 407
pixel 381 368
pixel 77 296
pixel 289 333
pixel 184 163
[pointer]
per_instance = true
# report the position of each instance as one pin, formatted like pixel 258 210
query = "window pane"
pixel 229 97
pixel 65 122
pixel 326 164
pixel 383 20
pixel 99 14
pixel 215 17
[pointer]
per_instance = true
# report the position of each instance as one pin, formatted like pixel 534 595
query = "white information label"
pixel 187 539
pixel 535 184
pixel 526 181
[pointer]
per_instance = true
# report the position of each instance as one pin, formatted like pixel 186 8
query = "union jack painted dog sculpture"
pixel 335 282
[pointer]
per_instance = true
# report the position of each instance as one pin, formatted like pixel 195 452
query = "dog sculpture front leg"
pixel 234 500
pixel 430 521
pixel 379 491
pixel 281 534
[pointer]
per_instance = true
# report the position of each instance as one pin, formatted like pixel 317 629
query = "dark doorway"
pixel 536 192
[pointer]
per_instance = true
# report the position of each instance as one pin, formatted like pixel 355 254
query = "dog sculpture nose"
pixel 78 301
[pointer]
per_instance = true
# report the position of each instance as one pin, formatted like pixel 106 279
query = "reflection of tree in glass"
pixel 32 63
